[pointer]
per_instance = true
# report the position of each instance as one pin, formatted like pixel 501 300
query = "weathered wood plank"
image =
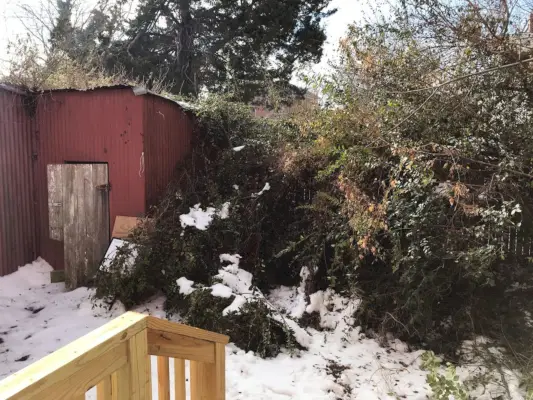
pixel 57 276
pixel 124 226
pixel 86 221
pixel 55 200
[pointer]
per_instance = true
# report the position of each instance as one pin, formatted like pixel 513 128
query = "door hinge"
pixel 106 187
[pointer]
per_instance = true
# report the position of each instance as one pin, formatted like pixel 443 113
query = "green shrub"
pixel 260 228
pixel 251 328
pixel 444 386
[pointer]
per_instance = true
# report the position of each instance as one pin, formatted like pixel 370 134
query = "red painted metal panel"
pixel 17 218
pixel 167 141
pixel 104 125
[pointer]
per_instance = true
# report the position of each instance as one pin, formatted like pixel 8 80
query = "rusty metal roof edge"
pixel 141 90
pixel 137 90
pixel 13 89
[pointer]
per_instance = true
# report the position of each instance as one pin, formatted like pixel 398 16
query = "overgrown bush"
pixel 428 139
pixel 236 165
pixel 405 190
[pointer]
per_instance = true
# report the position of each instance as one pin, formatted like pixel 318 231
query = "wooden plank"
pixel 86 377
pixel 185 330
pixel 57 276
pixel 66 362
pixel 121 383
pixel 124 226
pixel 55 201
pixel 139 362
pixel 220 372
pixel 179 379
pixel 104 389
pixel 163 378
pixel 202 381
pixel 86 221
pixel 162 343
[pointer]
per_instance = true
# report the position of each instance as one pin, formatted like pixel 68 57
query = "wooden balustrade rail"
pixel 116 359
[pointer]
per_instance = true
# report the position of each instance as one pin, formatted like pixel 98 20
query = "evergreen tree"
pixel 221 45
pixel 62 31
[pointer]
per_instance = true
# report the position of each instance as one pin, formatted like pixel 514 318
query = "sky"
pixel 336 25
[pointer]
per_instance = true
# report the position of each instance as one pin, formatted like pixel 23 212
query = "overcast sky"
pixel 349 11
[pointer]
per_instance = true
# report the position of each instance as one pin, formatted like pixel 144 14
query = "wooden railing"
pixel 116 359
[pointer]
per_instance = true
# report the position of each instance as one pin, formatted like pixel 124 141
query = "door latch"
pixel 106 187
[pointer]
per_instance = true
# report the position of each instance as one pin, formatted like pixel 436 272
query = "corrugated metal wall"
pixel 104 125
pixel 17 211
pixel 167 141
pixel 140 138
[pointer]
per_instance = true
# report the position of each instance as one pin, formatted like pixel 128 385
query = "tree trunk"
pixel 186 83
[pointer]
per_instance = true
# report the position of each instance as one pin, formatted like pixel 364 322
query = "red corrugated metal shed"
pixel 141 138
pixel 167 138
pixel 17 218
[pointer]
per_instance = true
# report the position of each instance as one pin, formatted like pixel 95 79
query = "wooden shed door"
pixel 78 202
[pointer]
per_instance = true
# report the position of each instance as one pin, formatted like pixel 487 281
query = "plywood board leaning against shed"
pixel 124 226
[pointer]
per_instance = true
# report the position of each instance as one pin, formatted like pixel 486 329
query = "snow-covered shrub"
pixel 126 277
pixel 233 197
pixel 252 327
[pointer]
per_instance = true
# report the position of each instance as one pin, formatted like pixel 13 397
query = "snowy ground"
pixel 37 317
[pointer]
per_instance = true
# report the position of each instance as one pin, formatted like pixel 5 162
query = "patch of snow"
pixel 286 299
pixel 200 218
pixel 299 309
pixel 231 258
pixel 265 188
pixel 224 211
pixel 220 290
pixel 185 286
pixel 29 332
pixel 316 302
pixel 239 280
pixel 301 336
pixel 236 305
pixel 111 253
pixel 238 148
pixel 197 217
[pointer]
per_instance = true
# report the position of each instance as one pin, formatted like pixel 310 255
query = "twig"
pixel 459 78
